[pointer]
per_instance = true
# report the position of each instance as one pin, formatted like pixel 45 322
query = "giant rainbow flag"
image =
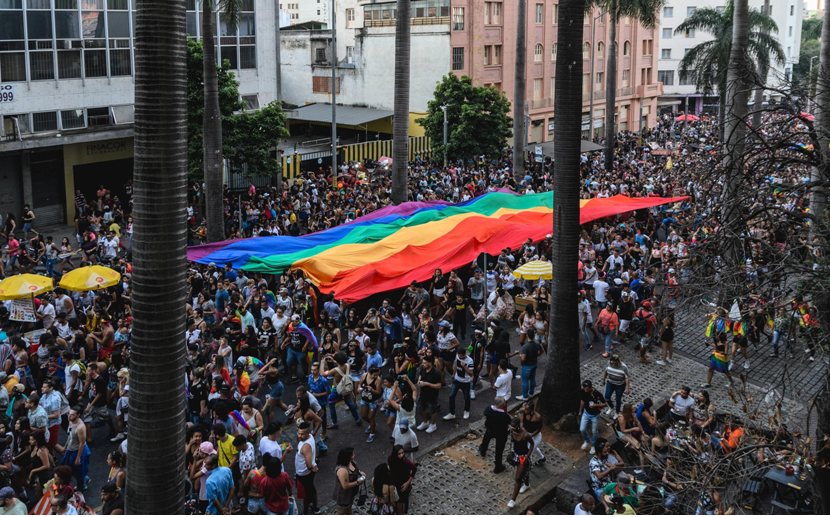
pixel 391 247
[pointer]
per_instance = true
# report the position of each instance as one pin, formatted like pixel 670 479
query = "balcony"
pixel 650 90
pixel 625 92
pixel 390 22
pixel 536 104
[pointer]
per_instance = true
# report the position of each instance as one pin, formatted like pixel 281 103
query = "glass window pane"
pixel 69 64
pixel 247 57
pixel 72 119
pixel 11 4
pixel 191 24
pixel 120 62
pixel 66 4
pixel 225 29
pixel 11 26
pixel 247 5
pixel 39 24
pixel 229 53
pixel 92 4
pixel 41 66
pixel 117 5
pixel 39 4
pixel 95 63
pixel 93 24
pixel 191 5
pixel 45 121
pixel 66 25
pixel 247 26
pixel 119 24
pixel 12 67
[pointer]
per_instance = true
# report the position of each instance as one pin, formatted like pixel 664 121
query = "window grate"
pixel 12 67
pixel 98 117
pixel 120 62
pixel 41 66
pixel 69 64
pixel 46 121
pixel 72 119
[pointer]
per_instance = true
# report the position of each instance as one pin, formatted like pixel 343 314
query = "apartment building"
pixel 680 92
pixel 67 77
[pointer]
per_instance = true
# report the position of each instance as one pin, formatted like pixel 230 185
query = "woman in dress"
pixel 40 461
pixel 527 324
pixel 437 288
pixel 667 338
pixel 66 256
pixel 349 479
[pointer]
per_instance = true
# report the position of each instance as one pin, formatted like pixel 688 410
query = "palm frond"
pixel 231 12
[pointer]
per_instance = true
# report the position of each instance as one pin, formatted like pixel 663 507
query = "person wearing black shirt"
pixel 496 423
pixel 458 309
pixel 476 349
pixel 429 380
pixel 97 407
pixel 591 403
pixel 197 396
pixel 113 500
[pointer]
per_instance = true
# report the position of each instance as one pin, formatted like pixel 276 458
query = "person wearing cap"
pixel 622 489
pixel 462 381
pixel 113 500
pixel 477 351
pixel 405 436
pixel 10 504
pixel 591 404
pixel 284 300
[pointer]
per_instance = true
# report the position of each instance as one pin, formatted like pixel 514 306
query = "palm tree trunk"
pixel 562 373
pixel 519 91
pixel 610 89
pixel 212 129
pixel 721 111
pixel 157 404
pixel 400 131
pixel 757 105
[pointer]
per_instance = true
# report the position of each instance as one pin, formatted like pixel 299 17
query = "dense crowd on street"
pixel 387 361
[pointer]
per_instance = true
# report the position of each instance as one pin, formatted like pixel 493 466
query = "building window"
pixel 486 55
pixel 586 51
pixel 458 58
pixel 350 55
pixel 553 49
pixel 537 88
pixel 626 74
pixel 72 119
pixel 120 62
pixel 648 47
pixel 667 33
pixel 497 55
pixel 686 51
pixel 791 31
pixel 586 83
pixel 69 64
pixel 789 53
pixel 95 63
pixel 690 11
pixel 600 49
pixel 665 53
pixel 555 9
pixel 41 66
pixel 668 12
pixel 598 81
pixel 552 89
pixel 626 48
pixel 540 14
pixel 12 67
pixel 690 33
pixel 323 85
pixel 538 53
pixel 492 13
pixel 792 10
pixel 349 15
pixel 687 79
pixel 666 77
pixel 458 18
pixel 250 102
pixel 96 117
pixel 46 121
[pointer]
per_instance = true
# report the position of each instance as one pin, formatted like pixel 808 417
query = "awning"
pixel 346 115
pixel 669 103
pixel 586 146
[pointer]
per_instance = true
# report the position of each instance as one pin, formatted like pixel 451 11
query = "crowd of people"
pixel 251 336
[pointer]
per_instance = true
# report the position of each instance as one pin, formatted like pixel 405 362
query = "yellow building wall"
pixel 416 129
pixel 86 153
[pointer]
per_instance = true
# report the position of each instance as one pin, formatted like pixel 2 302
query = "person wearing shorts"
pixel 429 381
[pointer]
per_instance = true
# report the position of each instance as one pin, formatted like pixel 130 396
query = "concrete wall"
pixel 371 81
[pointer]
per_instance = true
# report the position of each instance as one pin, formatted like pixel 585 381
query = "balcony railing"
pixel 625 92
pixel 390 22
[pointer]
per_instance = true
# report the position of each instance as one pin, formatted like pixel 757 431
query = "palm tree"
pixel 400 130
pixel 519 122
pixel 645 12
pixel 562 374
pixel 212 122
pixel 157 402
pixel 708 62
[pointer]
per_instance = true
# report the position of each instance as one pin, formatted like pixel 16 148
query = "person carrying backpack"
pixel 343 387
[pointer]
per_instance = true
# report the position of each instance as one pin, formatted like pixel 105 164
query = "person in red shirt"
pixel 276 487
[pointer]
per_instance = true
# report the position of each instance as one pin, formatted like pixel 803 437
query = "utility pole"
pixel 444 109
pixel 334 93
pixel 279 63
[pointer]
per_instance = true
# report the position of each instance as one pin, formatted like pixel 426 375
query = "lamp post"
pixel 444 109
pixel 591 81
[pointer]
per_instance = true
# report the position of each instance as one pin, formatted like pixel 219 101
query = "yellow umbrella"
pixel 24 286
pixel 534 270
pixel 90 278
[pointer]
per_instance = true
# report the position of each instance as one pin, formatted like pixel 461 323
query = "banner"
pixel 23 310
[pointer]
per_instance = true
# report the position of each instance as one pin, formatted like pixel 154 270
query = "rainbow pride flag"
pixel 388 250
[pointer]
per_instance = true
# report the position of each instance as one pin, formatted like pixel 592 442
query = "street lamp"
pixel 591 81
pixel 444 109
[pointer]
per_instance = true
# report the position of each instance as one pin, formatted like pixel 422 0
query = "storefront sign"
pixel 539 157
pixel 117 146
pixel 23 310
pixel 7 93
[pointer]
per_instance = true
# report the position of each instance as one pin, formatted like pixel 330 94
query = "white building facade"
pixel 70 67
pixel 680 93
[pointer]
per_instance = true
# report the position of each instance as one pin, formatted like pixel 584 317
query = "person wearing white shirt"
pixel 269 444
pixel 46 313
pixel 586 505
pixel 600 289
pixel 504 382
